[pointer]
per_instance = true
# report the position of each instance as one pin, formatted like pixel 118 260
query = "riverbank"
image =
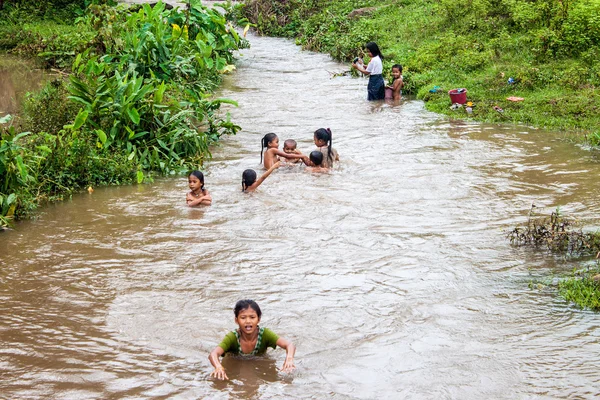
pixel 545 55
pixel 133 98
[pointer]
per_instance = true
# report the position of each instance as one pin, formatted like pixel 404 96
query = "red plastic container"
pixel 458 97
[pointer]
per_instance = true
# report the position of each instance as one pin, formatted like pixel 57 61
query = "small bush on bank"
pixel 49 109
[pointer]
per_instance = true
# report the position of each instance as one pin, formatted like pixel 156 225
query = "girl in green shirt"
pixel 249 340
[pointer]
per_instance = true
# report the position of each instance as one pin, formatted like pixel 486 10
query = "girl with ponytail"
pixel 323 141
pixel 270 142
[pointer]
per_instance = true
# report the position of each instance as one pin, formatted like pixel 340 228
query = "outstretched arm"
pixel 290 350
pixel 297 154
pixel 214 359
pixel 264 176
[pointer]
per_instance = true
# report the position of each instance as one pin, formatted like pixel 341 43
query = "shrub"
pixel 49 109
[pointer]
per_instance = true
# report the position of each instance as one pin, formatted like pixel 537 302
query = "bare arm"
pixel 361 68
pixel 214 358
pixel 290 350
pixel 205 200
pixel 295 155
pixel 263 177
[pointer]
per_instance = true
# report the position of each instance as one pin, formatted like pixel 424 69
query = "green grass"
pixel 548 50
pixel 583 288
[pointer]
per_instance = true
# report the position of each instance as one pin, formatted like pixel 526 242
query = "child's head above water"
pixel 316 157
pixel 248 178
pixel 196 178
pixel 323 138
pixel 289 146
pixel 244 305
pixel 396 71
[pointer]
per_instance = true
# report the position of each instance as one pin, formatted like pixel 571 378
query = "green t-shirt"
pixel 266 338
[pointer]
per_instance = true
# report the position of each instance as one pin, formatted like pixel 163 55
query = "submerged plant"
pixel 557 233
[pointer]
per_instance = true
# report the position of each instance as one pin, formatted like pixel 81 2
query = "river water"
pixel 392 274
pixel 17 77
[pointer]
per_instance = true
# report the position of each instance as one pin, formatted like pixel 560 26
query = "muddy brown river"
pixel 392 274
pixel 17 77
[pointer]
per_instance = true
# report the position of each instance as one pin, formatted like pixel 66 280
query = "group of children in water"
pixel 319 160
pixel 251 339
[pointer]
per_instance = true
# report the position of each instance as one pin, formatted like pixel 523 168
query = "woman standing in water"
pixel 376 88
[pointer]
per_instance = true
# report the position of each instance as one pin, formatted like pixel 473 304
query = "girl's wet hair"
pixel 398 66
pixel 316 157
pixel 324 134
pixel 245 304
pixel 264 143
pixel 248 178
pixel 374 49
pixel 200 177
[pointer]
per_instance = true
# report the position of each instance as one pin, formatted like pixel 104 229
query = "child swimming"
pixel 198 195
pixel 323 139
pixel 397 82
pixel 271 142
pixel 249 340
pixel 249 181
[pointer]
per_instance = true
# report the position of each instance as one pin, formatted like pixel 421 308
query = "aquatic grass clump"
pixel 583 288
pixel 557 233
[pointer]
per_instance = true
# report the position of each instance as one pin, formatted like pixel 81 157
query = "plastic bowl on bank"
pixel 458 95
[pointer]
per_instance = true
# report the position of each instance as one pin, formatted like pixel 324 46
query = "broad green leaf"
pixel 140 177
pixel 234 33
pixel 158 95
pixel 176 31
pixel 227 101
pixel 21 167
pixel 133 115
pixel 101 136
pixel 77 61
pixel 80 119
pixel 131 132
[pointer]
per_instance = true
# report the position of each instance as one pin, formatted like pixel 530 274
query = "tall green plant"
pixel 149 96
